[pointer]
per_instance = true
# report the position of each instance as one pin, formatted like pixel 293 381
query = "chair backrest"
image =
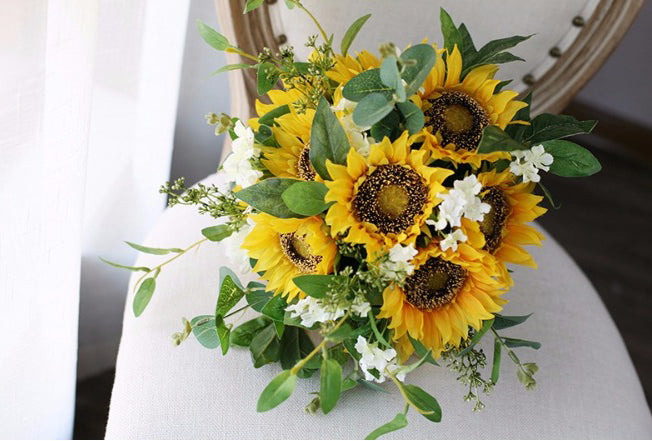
pixel 572 38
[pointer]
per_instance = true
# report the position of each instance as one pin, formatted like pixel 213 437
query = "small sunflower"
pixel 287 248
pixel 444 296
pixel 346 67
pixel 278 98
pixel 512 206
pixel 291 159
pixel 384 199
pixel 458 110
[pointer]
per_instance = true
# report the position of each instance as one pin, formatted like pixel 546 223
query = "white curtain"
pixel 81 82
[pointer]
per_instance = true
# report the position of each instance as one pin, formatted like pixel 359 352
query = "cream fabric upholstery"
pixel 551 21
pixel 587 385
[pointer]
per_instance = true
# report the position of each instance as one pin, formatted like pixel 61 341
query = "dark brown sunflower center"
pixel 493 222
pixel 305 169
pixel 298 252
pixel 458 118
pixel 434 284
pixel 390 197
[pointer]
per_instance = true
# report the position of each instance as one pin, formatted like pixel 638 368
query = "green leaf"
pixel 315 285
pixel 449 30
pixel 277 391
pixel 212 37
pixel 495 370
pixel 424 57
pixel 548 196
pixel 223 333
pixel 400 421
pixel 374 328
pixel 507 321
pixel 265 346
pixel 266 196
pixel 306 198
pixel 571 160
pixel 275 308
pixel 492 53
pixel 269 118
pixel 466 42
pixel 518 343
pixel 546 127
pixel 205 331
pixel 235 66
pixel 289 4
pixel 328 139
pixel 258 299
pixel 496 140
pixel 391 77
pixel 244 334
pixel 252 4
pixel 486 326
pixel 342 333
pixel 351 33
pixel 371 109
pixel 230 295
pixel 267 76
pixel 217 232
pixel 143 295
pixel 423 402
pixel 517 131
pixel 414 118
pixel 295 345
pixel 387 127
pixel 348 384
pixel 365 83
pixel 331 384
pixel 371 385
pixel 421 351
pixel 150 250
pixel 406 369
pixel 130 268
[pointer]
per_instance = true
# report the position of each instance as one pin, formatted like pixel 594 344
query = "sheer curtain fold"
pixel 88 92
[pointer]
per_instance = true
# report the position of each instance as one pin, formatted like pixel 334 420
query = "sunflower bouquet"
pixel 377 200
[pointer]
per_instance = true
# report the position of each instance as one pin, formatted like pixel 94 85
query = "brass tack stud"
pixel 281 39
pixel 528 79
pixel 578 21
pixel 555 52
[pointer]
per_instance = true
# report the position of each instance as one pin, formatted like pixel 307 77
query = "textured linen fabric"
pixel 587 386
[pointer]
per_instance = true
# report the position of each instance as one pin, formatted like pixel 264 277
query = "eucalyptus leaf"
pixel 494 139
pixel 143 295
pixel 267 76
pixel 371 109
pixel 570 159
pixel 400 421
pixel 365 83
pixel 306 198
pixel 414 118
pixel 507 321
pixel 331 384
pixel 328 140
pixel 258 299
pixel 230 295
pixel 387 127
pixel 150 250
pixel 266 196
pixel 351 33
pixel 391 77
pixel 424 57
pixel 217 232
pixel 223 333
pixel 130 268
pixel 205 331
pixel 212 37
pixel 277 391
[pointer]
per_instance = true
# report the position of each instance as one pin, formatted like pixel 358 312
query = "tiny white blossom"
pixel 525 169
pixel 470 186
pixel 233 248
pixel 372 357
pixel 238 166
pixel 527 163
pixel 451 209
pixel 310 311
pixel 360 306
pixel 475 209
pixel 538 157
pixel 398 262
pixel 451 240
pixel 460 201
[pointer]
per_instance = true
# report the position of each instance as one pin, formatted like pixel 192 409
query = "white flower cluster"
pixel 398 265
pixel 357 136
pixel 527 163
pixel 311 310
pixel 460 201
pixel 233 248
pixel 372 357
pixel 238 166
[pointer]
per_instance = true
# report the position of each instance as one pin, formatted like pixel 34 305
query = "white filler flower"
pixel 452 239
pixel 374 358
pixel 527 163
pixel 238 166
pixel 398 264
pixel 460 201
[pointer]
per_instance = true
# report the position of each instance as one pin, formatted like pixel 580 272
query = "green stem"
pixel 297 367
pixel 312 17
pixel 512 354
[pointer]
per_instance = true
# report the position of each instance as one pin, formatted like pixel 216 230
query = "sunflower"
pixel 287 248
pixel 291 159
pixel 278 98
pixel 384 199
pixel 457 110
pixel 346 67
pixel 512 206
pixel 444 296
